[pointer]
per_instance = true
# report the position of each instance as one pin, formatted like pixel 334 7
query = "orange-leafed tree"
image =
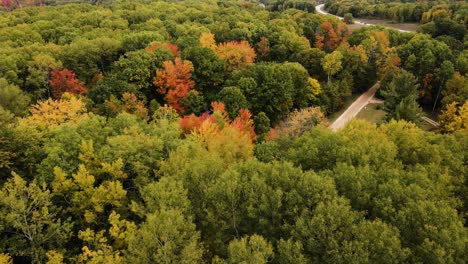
pixel 220 118
pixel 263 48
pixel 230 140
pixel 244 123
pixel 174 82
pixel 171 47
pixel 62 81
pixel 329 38
pixel 236 54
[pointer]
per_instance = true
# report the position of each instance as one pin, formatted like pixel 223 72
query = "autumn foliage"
pixel 128 104
pixel 52 113
pixel 243 122
pixel 174 82
pixel 207 40
pixel 329 38
pixel 171 47
pixel 62 81
pixel 13 4
pixel 236 54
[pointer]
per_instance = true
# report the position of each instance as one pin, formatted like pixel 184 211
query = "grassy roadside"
pixel 372 113
pixel 347 102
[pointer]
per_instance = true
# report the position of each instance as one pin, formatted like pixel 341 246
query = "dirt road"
pixel 354 108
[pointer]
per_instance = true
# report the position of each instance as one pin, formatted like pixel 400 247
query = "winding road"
pixel 354 108
pixel 365 98
pixel 320 9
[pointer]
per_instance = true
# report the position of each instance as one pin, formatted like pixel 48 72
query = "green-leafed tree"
pixel 30 223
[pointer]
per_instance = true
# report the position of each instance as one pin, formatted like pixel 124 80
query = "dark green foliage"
pixel 400 96
pixel 233 99
pixel 269 88
pixel 262 123
pixel 194 103
pixel 13 99
pixel 209 71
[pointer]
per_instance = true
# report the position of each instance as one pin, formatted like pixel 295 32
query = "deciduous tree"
pixel 331 63
pixel 174 82
pixel 65 81
pixel 31 220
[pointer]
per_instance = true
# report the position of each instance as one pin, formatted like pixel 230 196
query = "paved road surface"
pixel 354 108
pixel 320 10
pixel 430 121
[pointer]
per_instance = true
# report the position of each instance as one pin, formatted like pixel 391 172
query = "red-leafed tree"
pixel 62 81
pixel 171 47
pixel 174 82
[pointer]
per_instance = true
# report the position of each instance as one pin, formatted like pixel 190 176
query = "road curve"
pixel 354 108
pixel 320 9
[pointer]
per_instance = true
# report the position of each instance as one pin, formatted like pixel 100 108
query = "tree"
pixel 137 67
pixel 331 63
pixel 408 109
pixel 335 234
pixel 233 99
pixel 301 82
pixel 31 224
pixel 314 89
pixel 403 85
pixel 329 38
pixel 311 60
pixel 315 149
pixel 454 119
pixel 88 57
pixel 207 40
pixel 101 248
pixel 236 54
pixel 445 71
pixel 85 197
pixel 209 71
pixel 254 249
pixel 456 89
pixel 12 98
pixel 52 113
pixel 348 18
pixel 262 124
pixel 62 81
pixel 290 251
pixel 128 104
pixel 194 103
pixel 301 121
pixel 168 233
pixel 263 48
pixel 174 82
pixel 268 87
pixel 39 70
pixel 171 47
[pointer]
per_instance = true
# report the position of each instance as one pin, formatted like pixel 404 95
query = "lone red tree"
pixel 62 81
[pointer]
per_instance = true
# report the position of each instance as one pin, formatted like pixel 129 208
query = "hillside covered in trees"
pixel 196 132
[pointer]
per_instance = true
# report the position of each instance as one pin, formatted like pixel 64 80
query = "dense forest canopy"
pixel 196 132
